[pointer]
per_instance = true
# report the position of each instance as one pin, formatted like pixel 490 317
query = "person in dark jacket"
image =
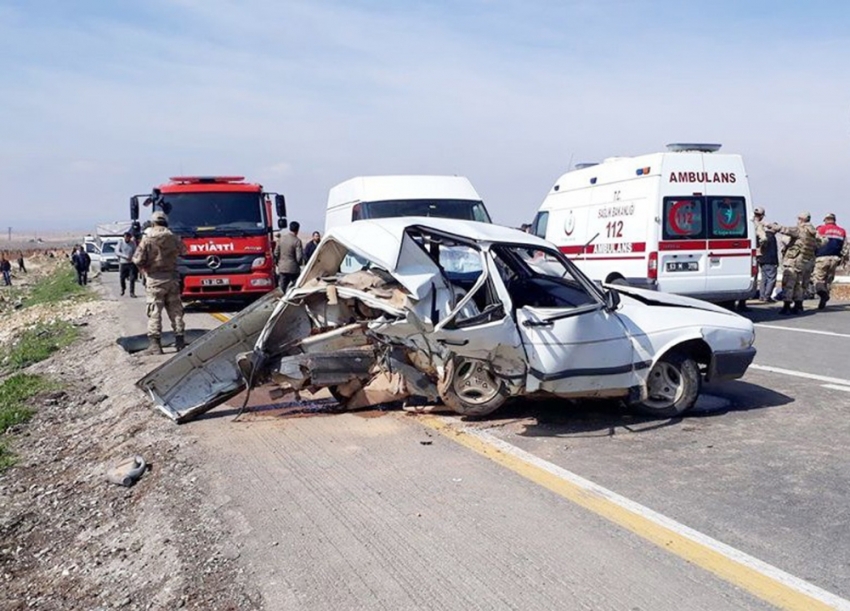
pixel 81 262
pixel 311 246
pixel 767 257
pixel 21 266
pixel 6 270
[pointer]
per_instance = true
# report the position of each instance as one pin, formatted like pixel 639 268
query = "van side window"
pixel 684 218
pixel 728 217
pixel 541 222
pixel 356 213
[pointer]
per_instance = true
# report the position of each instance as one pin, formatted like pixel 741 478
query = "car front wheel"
pixel 672 386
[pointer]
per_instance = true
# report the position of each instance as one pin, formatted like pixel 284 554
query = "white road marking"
pixel 777 575
pixel 800 374
pixel 837 387
pixel 813 331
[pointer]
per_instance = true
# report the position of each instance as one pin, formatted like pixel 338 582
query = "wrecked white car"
pixel 463 312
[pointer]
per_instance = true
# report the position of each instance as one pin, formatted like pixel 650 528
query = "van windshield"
pixel 467 210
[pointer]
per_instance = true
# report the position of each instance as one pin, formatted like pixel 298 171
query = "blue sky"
pixel 101 100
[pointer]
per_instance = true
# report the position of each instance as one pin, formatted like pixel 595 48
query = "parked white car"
pixel 464 312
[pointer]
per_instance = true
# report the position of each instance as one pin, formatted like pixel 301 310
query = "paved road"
pixel 377 510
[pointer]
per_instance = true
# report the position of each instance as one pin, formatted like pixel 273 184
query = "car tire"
pixel 470 388
pixel 620 282
pixel 673 386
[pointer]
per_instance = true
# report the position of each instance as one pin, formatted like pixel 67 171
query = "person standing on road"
pixel 81 261
pixel 289 254
pixel 21 266
pixel 311 246
pixel 6 270
pixel 157 257
pixel 797 261
pixel 126 267
pixel 767 257
pixel 829 256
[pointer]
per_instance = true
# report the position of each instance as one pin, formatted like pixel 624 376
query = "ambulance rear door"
pixel 683 235
pixel 729 275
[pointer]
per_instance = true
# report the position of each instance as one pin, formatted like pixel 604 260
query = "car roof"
pixel 395 227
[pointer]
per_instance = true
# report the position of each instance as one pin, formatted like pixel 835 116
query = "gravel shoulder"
pixel 71 540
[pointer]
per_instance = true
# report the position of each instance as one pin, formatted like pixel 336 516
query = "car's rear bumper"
pixel 730 364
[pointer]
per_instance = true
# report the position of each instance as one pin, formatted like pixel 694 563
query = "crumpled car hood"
pixel 655 298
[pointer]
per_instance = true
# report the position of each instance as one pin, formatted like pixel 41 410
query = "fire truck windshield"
pixel 211 213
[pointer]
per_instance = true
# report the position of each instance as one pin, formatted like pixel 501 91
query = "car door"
pixel 575 344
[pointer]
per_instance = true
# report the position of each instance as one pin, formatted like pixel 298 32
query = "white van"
pixel 372 197
pixel 678 222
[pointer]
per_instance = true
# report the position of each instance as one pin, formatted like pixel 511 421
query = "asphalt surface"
pixel 377 510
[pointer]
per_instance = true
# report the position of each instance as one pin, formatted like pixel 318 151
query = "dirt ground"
pixel 71 540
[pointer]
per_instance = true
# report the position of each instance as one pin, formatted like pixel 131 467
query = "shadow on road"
pixel 137 343
pixel 770 313
pixel 563 418
pixel 210 307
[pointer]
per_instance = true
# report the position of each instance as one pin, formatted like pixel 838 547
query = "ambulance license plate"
pixel 215 281
pixel 683 266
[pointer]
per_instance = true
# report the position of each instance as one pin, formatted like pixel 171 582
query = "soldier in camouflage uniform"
pixel 798 261
pixel 829 256
pixel 157 256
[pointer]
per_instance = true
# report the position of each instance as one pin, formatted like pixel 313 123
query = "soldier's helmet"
pixel 159 218
pixel 805 217
pixel 829 217
pixel 759 211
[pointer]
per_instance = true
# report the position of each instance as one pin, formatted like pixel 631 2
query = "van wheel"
pixel 470 388
pixel 619 281
pixel 672 385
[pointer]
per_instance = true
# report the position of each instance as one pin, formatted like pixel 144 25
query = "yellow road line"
pixel 759 578
pixel 219 316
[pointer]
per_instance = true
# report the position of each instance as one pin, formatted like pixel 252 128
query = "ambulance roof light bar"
pixel 699 147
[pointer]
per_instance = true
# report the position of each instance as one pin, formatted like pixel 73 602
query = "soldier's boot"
pixel 786 307
pixel 824 297
pixel 179 342
pixel 155 346
pixel 798 307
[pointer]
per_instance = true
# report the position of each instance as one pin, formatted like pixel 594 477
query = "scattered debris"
pixel 127 472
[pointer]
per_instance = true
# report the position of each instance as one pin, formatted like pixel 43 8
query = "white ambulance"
pixel 373 197
pixel 678 222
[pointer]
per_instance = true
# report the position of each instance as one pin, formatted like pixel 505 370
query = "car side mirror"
pixel 612 300
pixel 281 223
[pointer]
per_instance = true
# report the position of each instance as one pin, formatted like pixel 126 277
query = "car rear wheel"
pixel 672 385
pixel 470 388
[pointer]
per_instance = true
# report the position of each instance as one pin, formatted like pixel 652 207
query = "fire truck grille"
pixel 215 265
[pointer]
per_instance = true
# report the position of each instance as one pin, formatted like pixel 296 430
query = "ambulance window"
pixel 356 213
pixel 683 218
pixel 728 217
pixel 541 221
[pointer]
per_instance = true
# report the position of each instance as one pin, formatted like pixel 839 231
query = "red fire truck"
pixel 226 225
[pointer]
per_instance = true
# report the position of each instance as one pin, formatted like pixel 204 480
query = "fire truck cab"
pixel 226 225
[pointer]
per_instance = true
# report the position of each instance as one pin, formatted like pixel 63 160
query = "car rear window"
pixel 728 217
pixel 684 218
